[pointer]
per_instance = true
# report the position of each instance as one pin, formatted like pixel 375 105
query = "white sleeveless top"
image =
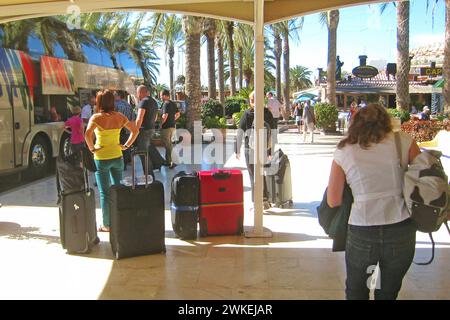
pixel 376 180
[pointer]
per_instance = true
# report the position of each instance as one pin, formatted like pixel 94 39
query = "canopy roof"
pixel 239 10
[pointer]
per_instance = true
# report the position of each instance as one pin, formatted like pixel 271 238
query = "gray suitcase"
pixel 278 180
pixel 78 227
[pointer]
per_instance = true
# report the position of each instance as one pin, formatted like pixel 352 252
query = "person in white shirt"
pixel 275 107
pixel 380 230
pixel 88 110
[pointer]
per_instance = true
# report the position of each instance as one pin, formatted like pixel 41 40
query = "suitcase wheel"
pixel 203 228
pixel 240 226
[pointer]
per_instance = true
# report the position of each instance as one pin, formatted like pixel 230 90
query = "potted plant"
pixel 326 117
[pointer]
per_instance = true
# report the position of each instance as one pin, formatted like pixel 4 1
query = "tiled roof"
pixel 380 83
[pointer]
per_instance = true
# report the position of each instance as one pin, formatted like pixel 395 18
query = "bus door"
pixel 6 131
pixel 21 120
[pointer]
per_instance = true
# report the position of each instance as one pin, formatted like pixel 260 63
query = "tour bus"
pixel 36 92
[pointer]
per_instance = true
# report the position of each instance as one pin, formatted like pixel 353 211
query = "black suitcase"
pixel 278 180
pixel 137 217
pixel 184 204
pixel 155 157
pixel 77 221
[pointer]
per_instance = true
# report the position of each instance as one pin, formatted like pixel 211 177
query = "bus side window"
pixel 58 107
pixel 41 111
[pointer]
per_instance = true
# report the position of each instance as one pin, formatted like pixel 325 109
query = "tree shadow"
pixel 14 231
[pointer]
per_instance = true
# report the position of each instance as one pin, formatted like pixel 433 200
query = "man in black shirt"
pixel 245 129
pixel 146 117
pixel 169 116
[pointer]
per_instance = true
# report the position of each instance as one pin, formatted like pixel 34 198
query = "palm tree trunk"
pixel 446 89
pixel 171 65
pixel 240 66
pixel 209 26
pixel 286 91
pixel 221 70
pixel 114 60
pixel 230 31
pixel 402 89
pixel 192 28
pixel 333 21
pixel 277 48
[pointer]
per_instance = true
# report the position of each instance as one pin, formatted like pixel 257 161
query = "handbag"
pixel 425 191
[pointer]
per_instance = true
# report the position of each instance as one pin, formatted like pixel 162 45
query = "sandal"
pixel 103 229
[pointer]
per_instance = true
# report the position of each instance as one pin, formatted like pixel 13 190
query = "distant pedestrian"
pixel 146 118
pixel 76 128
pixel 309 121
pixel 425 114
pixel 274 105
pixel 169 116
pixel 88 110
pixel 298 116
pixel 125 108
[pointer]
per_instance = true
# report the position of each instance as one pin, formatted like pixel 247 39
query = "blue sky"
pixel 361 30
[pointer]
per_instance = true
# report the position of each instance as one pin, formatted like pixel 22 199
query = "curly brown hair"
pixel 369 125
pixel 104 101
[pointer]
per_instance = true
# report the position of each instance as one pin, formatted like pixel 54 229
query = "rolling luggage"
pixel 184 204
pixel 137 217
pixel 221 202
pixel 278 180
pixel 155 158
pixel 77 221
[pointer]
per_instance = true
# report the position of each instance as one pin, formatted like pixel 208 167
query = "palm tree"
pixel 192 27
pixel 300 78
pixel 16 33
pixel 277 51
pixel 403 62
pixel 289 29
pixel 331 18
pixel 220 40
pixel 230 47
pixel 210 29
pixel 169 31
pixel 145 56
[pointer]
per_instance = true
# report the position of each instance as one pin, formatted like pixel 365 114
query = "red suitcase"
pixel 221 202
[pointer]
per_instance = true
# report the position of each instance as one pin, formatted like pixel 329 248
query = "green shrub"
pixel 215 122
pixel 403 114
pixel 181 122
pixel 233 105
pixel 237 117
pixel 212 108
pixel 326 116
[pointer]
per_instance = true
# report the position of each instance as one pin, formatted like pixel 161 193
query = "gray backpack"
pixel 426 191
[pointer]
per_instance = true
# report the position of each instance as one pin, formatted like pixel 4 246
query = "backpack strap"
pixel 433 245
pixel 398 147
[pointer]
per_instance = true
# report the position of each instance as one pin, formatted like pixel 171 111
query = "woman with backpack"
pixel 379 228
pixel 246 126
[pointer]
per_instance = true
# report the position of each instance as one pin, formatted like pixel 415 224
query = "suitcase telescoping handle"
pixel 133 167
pixel 221 175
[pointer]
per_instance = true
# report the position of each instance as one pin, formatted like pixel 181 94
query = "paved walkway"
pixel 296 263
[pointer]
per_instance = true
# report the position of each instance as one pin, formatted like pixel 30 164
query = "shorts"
pixel 298 120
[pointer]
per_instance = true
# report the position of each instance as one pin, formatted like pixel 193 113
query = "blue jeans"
pixel 109 172
pixel 391 246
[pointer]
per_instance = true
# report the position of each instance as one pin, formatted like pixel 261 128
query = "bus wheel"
pixel 65 145
pixel 39 161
